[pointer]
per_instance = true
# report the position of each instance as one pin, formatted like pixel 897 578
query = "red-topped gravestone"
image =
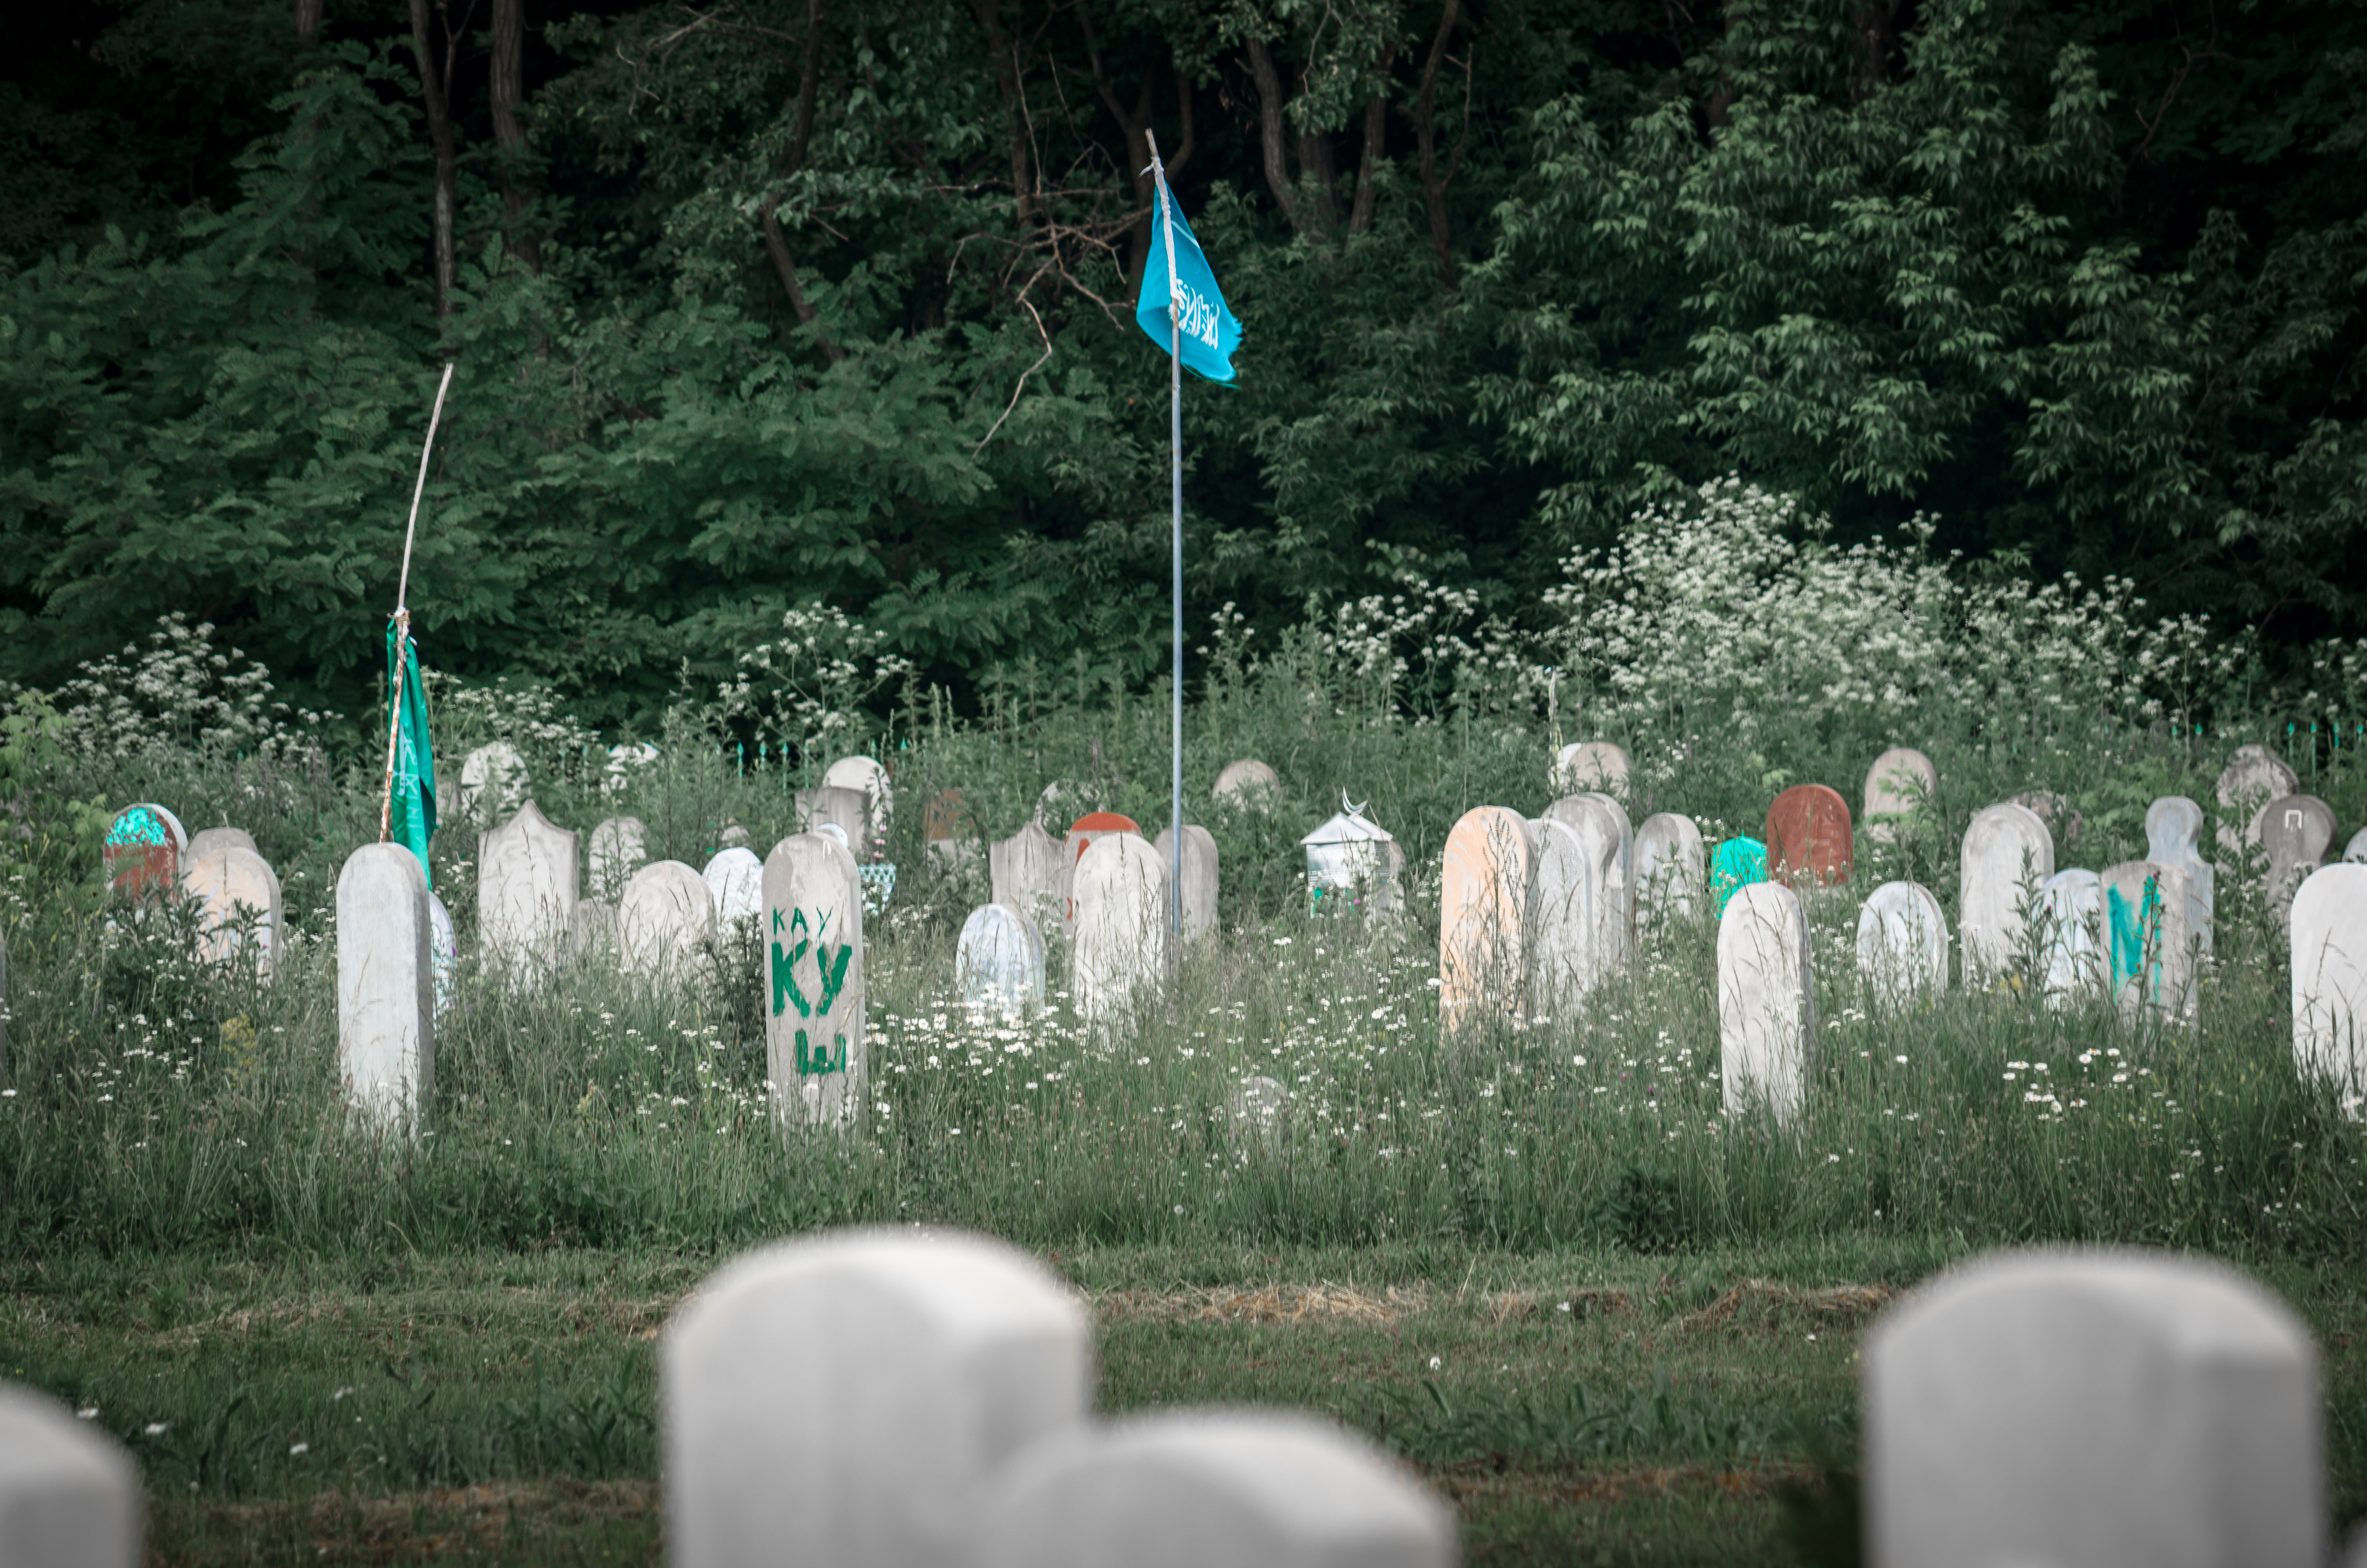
pixel 142 852
pixel 1082 835
pixel 1808 835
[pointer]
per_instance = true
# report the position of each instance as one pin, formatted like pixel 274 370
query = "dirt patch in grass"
pixel 513 1521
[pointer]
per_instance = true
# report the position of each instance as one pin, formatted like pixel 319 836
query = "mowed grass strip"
pixel 1580 1407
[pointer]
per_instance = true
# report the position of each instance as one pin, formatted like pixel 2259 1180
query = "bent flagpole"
pixel 1175 441
pixel 402 610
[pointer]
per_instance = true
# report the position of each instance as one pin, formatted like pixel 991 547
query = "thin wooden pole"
pixel 1175 444
pixel 402 613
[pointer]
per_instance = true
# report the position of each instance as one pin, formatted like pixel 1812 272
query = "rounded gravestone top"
pixel 2255 773
pixel 2355 852
pixel 1591 764
pixel 1808 835
pixel 736 878
pixel 1901 781
pixel 207 840
pixel 1245 780
pixel 1736 863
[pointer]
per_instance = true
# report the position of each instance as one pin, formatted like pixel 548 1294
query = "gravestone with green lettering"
pixel 813 967
pixel 2149 947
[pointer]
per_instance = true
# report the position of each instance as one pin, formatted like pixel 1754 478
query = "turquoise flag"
pixel 411 807
pixel 1210 331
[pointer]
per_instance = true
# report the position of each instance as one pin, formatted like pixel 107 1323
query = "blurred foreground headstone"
pixel 69 1495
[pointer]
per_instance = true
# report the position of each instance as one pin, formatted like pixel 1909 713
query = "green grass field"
pixel 1613 1324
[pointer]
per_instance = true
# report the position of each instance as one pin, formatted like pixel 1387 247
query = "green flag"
pixel 410 804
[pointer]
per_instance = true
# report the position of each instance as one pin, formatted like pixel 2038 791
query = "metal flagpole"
pixel 1175 441
pixel 402 612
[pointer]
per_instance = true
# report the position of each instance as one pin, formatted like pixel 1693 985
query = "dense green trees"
pixel 785 301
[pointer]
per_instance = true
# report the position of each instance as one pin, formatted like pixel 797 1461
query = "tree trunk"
pixel 1004 48
pixel 1135 125
pixel 308 23
pixel 1434 182
pixel 447 161
pixel 1315 158
pixel 1277 174
pixel 1377 120
pixel 507 90
pixel 776 241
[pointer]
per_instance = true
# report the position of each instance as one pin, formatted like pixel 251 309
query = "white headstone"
pixel 999 962
pixel 618 849
pixel 1766 1000
pixel 1483 899
pixel 2148 947
pixel 814 1044
pixel 493 781
pixel 1670 870
pixel 386 986
pixel 1591 764
pixel 624 761
pixel 847 810
pixel 526 894
pixel 2329 980
pixel 2071 914
pixel 2355 852
pixel 1027 872
pixel 443 951
pixel 2253 777
pixel 1199 876
pixel 69 1496
pixel 1576 919
pixel 2007 855
pixel 868 777
pixel 845 1400
pixel 1901 783
pixel 237 896
pixel 1902 945
pixel 665 921
pixel 736 879
pixel 1594 805
pixel 2173 833
pixel 207 840
pixel 1244 1489
pixel 1120 887
pixel 2295 831
pixel 1248 782
pixel 2107 1409
pixel 1260 1108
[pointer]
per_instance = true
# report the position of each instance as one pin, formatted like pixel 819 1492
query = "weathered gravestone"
pixel 1196 1489
pixel 999 962
pixel 852 1400
pixel 2295 831
pixel 1120 934
pixel 2253 777
pixel 2149 950
pixel 386 986
pixel 70 1497
pixel 2173 832
pixel 616 848
pixel 865 775
pixel 493 781
pixel 443 951
pixel 1766 1000
pixel 1199 876
pixel 2070 916
pixel 1808 835
pixel 1902 945
pixel 1483 898
pixel 1259 1107
pixel 736 879
pixel 2006 856
pixel 2355 852
pixel 142 852
pixel 2329 980
pixel 2107 1409
pixel 1737 863
pixel 1577 918
pixel 1590 805
pixel 2055 813
pixel 665 923
pixel 814 1042
pixel 847 810
pixel 526 894
pixel 1352 863
pixel 950 829
pixel 1248 782
pixel 1669 873
pixel 1029 874
pixel 207 840
pixel 1083 834
pixel 1591 764
pixel 237 896
pixel 1901 783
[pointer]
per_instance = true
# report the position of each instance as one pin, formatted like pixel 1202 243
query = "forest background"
pixel 764 304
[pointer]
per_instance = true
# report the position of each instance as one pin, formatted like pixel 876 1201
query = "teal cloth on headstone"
pixel 411 807
pixel 2131 929
pixel 1737 863
pixel 1210 331
pixel 140 825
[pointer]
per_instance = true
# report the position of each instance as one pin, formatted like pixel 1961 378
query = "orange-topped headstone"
pixel 1808 833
